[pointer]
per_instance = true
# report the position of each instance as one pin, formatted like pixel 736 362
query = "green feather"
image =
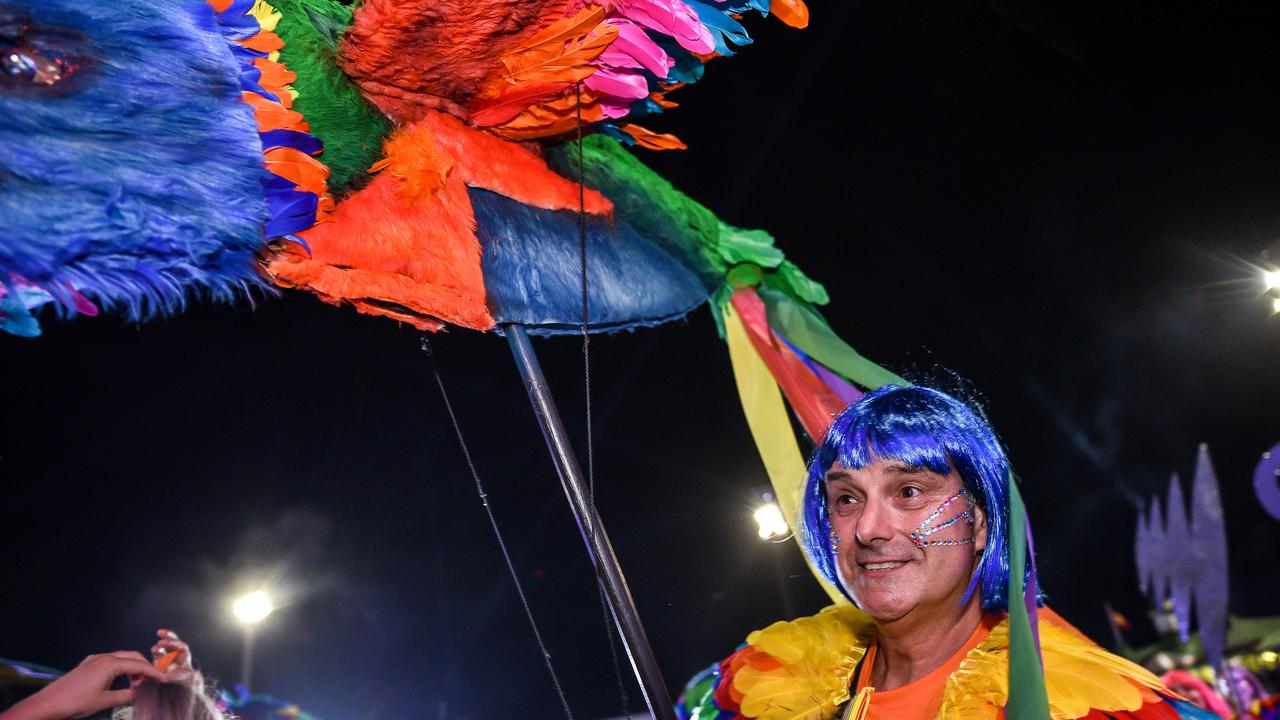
pixel 641 197
pixel 1027 697
pixel 804 327
pixel 721 255
pixel 351 128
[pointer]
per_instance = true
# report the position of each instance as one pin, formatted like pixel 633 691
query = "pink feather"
pixel 618 84
pixel 669 17
pixel 632 48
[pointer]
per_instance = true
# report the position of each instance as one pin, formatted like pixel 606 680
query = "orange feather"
pixel 792 12
pixel 298 168
pixel 276 79
pixel 415 160
pixel 558 116
pixel 418 263
pixel 651 140
pixel 484 161
pixel 263 41
pixel 555 40
pixel 274 116
pixel 409 56
pixel 504 108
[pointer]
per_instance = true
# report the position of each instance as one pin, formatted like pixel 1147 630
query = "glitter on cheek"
pixel 927 528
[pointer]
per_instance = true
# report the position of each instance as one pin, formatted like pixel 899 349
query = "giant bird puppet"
pixel 437 162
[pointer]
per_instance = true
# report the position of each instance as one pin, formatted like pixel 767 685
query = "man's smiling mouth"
pixel 892 565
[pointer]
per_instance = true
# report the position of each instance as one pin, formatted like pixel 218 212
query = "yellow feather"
pixel 817 655
pixel 266 15
pixel 1080 677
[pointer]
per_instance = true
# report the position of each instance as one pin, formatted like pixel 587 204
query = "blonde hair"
pixel 173 701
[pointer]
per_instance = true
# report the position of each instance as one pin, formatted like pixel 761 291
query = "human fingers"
pixel 127 655
pixel 169 645
pixel 135 667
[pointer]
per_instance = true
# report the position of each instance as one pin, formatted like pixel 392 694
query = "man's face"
pixel 874 510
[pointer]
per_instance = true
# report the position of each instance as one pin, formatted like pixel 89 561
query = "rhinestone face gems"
pixel 927 528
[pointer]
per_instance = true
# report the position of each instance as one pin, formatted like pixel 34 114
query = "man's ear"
pixel 979 529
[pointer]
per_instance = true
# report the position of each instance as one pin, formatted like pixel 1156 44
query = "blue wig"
pixel 130 168
pixel 924 428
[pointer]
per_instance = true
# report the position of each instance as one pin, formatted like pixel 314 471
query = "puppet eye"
pixel 33 67
pixel 39 59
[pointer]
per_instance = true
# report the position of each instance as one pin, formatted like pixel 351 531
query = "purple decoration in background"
pixel 1179 566
pixel 1266 481
pixel 1185 560
pixel 1209 548
pixel 1147 548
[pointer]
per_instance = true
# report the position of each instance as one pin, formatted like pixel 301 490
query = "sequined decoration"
pixel 927 527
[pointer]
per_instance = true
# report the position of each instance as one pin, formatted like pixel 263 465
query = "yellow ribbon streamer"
pixel 770 427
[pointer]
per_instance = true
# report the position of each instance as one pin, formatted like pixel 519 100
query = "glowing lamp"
pixel 771 524
pixel 253 607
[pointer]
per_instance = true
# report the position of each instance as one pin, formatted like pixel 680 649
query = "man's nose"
pixel 875 522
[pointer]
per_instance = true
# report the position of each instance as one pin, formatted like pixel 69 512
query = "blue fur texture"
pixel 138 179
pixel 926 428
pixel 532 271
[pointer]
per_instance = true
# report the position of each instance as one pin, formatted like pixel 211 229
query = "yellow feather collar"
pixel 815 659
pixel 802 669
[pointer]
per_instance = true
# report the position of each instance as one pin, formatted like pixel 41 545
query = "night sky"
pixel 1064 207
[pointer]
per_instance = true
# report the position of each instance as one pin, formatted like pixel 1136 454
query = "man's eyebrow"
pixel 906 469
pixel 838 475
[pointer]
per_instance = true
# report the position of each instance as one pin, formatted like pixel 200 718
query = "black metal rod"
pixel 621 605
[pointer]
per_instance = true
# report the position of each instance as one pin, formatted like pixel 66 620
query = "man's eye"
pixel 845 499
pixel 910 492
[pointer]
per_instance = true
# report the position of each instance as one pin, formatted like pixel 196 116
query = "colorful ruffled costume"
pixel 803 670
pixel 387 155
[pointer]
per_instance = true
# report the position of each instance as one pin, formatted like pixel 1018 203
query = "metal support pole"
pixel 246 658
pixel 621 605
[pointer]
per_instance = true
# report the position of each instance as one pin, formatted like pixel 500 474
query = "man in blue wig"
pixel 907 510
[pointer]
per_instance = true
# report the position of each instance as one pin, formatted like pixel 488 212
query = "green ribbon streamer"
pixel 811 334
pixel 1027 697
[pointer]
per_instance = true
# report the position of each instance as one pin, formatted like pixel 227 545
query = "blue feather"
pixel 724 29
pixel 531 266
pixel 688 68
pixel 616 133
pixel 138 179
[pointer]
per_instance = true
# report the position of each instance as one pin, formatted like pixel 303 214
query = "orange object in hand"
pixel 164 662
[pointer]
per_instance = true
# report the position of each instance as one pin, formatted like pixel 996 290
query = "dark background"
pixel 1064 206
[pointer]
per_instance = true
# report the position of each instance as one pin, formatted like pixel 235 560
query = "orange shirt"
pixel 921 699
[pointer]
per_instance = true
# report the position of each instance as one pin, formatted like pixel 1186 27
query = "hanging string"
pixel 493 522
pixel 586 382
pixel 586 314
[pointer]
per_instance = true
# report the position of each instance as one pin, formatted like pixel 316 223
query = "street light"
pixel 253 608
pixel 1271 278
pixel 250 609
pixel 771 525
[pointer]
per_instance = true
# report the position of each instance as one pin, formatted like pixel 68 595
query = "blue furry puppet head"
pixel 926 428
pixel 130 168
